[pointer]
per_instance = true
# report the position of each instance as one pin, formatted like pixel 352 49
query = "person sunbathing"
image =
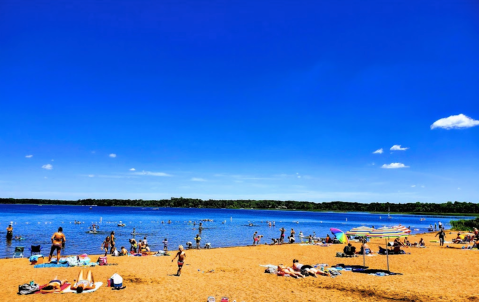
pixel 52 286
pixel 288 270
pixel 305 270
pixel 84 284
pixel 458 239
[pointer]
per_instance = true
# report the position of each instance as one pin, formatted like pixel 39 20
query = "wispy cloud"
pixel 197 179
pixel 132 169
pixel 413 186
pixel 91 175
pixel 28 156
pixel 113 155
pixel 378 151
pixel 148 173
pixel 47 167
pixel 398 148
pixel 459 121
pixel 394 166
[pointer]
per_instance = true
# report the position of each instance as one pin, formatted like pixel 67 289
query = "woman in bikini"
pixel 53 286
pixel 305 270
pixel 57 240
pixel 112 239
pixel 106 244
pixel 84 284
pixel 181 259
pixel 288 270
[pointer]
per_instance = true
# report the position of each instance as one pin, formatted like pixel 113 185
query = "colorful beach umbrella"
pixel 402 228
pixel 387 233
pixel 359 231
pixel 340 235
pixel 363 232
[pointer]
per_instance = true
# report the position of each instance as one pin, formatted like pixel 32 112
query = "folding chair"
pixel 35 250
pixel 18 252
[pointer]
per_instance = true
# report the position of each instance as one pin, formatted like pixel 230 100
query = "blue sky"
pixel 240 99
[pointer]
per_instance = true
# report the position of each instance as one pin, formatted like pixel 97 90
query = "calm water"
pixel 37 224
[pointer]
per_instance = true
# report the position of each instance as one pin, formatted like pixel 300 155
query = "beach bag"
pixel 28 288
pixel 115 281
pixel 102 261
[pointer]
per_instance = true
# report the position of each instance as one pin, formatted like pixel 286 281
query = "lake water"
pixel 37 224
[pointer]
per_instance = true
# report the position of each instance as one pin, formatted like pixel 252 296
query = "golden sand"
pixel 429 274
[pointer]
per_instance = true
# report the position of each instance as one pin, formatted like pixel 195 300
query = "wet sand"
pixel 429 274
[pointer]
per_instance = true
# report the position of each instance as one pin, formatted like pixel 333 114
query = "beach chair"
pixel 35 250
pixel 18 253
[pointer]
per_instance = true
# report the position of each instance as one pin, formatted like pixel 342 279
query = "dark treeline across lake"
pixel 230 227
pixel 417 207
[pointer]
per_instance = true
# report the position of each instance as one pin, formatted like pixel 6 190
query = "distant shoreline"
pixel 71 203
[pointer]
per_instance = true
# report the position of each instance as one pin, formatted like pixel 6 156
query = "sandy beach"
pixel 429 274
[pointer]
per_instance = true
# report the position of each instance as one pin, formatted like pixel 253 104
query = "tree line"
pixel 340 206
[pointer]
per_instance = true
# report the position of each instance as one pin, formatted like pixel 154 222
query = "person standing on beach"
pixel 254 238
pixel 281 238
pixel 435 226
pixel 181 259
pixel 292 233
pixel 442 236
pixel 165 245
pixel 106 244
pixel 58 240
pixel 198 240
pixel 112 239
pixel 9 232
pixel 440 225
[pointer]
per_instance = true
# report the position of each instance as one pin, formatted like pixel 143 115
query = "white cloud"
pixel 28 156
pixel 378 151
pixel 423 186
pixel 398 148
pixel 132 169
pixel 151 173
pixel 455 122
pixel 91 175
pixel 113 155
pixel 413 186
pixel 197 179
pixel 394 166
pixel 47 167
pixel 458 188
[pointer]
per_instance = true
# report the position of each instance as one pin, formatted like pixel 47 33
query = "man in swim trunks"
pixel 57 241
pixel 181 259
pixel 442 236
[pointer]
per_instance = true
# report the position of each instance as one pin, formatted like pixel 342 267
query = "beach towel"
pixel 44 265
pixel 378 272
pixel 62 288
pixel 97 286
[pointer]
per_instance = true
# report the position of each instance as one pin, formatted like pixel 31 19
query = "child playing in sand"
pixel 181 259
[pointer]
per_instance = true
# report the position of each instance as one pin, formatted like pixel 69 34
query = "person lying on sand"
pixel 52 286
pixel 306 270
pixel 84 284
pixel 288 270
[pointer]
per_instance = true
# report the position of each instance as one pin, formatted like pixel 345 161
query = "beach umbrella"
pixel 339 235
pixel 387 233
pixel 402 228
pixel 359 231
pixel 363 232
